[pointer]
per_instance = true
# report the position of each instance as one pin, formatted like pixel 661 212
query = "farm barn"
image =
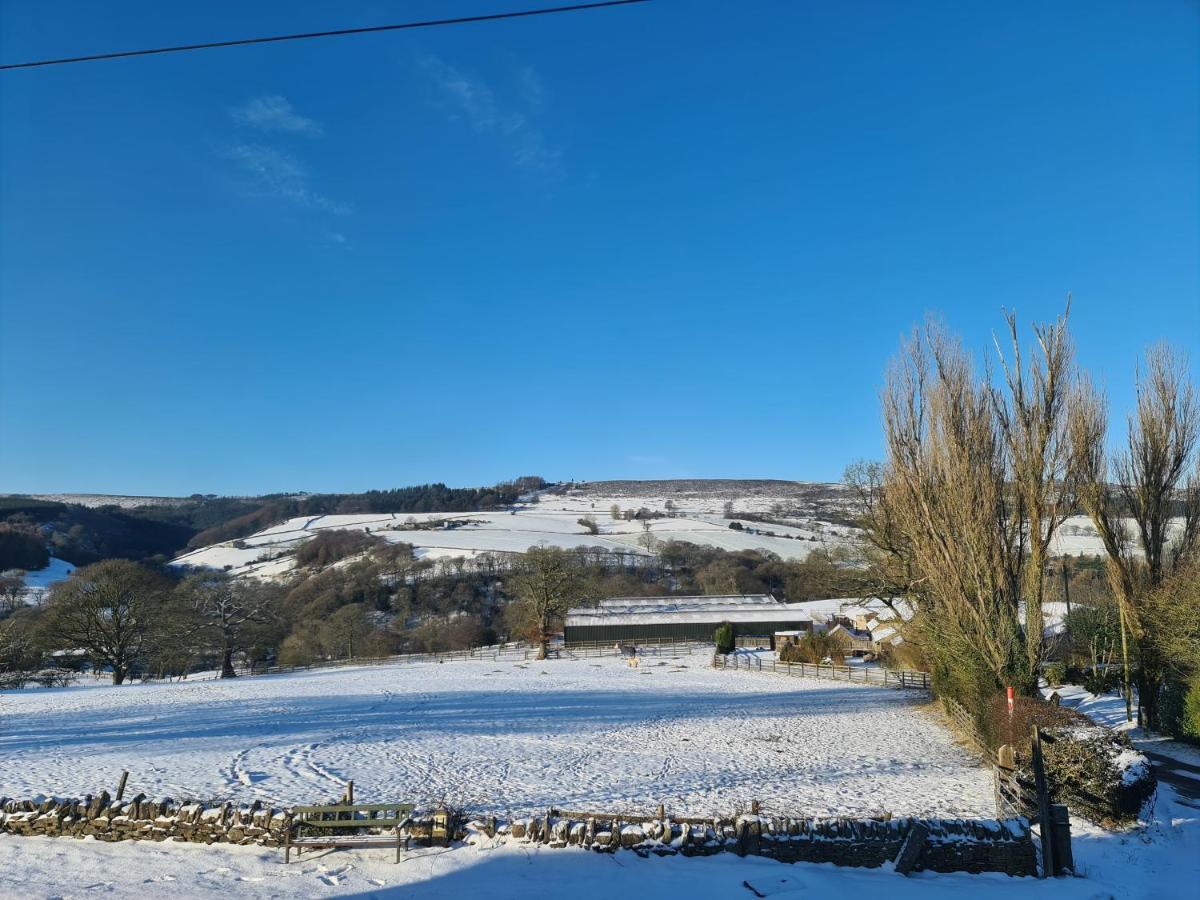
pixel 631 619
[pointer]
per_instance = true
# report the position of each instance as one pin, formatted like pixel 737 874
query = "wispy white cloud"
pixel 272 112
pixel 531 88
pixel 279 174
pixel 469 99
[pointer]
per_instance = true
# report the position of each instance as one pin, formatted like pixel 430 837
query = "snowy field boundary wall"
pixel 939 845
pixel 139 819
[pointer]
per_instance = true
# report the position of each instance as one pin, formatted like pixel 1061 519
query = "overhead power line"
pixel 429 23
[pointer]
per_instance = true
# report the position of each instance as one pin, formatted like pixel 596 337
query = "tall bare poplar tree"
pixel 1133 497
pixel 1032 417
pixel 963 512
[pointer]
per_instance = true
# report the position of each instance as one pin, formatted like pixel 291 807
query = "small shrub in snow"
pixel 817 647
pixel 1054 673
pixel 723 638
pixel 1101 681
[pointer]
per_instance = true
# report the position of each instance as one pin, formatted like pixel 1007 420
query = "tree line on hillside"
pixel 157 532
pixel 22 547
pixel 982 469
pixel 416 499
pixel 354 594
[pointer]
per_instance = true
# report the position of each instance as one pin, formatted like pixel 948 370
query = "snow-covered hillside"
pixel 38 582
pixel 503 738
pixel 696 516
pixel 789 519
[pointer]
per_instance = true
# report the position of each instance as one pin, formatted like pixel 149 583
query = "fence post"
pixel 1060 837
pixel 121 786
pixel 1045 825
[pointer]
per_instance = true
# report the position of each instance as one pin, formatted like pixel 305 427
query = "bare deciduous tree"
pixel 224 607
pixel 109 609
pixel 12 594
pixel 545 584
pixel 1032 417
pixel 1133 497
pixel 962 514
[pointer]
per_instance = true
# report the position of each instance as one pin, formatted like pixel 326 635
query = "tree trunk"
pixel 118 675
pixel 1127 688
pixel 1149 686
pixel 227 664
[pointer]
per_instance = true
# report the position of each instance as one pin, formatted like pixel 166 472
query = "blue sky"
pixel 675 239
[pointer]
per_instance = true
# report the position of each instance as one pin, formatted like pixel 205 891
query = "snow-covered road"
pixel 501 738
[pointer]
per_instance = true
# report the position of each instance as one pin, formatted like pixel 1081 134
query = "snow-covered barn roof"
pixel 681 602
pixel 663 610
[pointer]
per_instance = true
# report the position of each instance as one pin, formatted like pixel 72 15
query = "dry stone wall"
pixel 141 819
pixel 950 845
pixel 946 845
pixel 105 819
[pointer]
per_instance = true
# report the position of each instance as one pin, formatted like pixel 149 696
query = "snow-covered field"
pixel 501 738
pixel 505 738
pixel 1078 537
pixel 554 521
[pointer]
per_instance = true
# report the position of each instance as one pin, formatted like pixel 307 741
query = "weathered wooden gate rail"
pixel 900 678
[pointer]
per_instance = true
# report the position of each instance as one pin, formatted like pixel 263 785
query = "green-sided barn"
pixel 633 619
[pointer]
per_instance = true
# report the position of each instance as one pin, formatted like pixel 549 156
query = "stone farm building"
pixel 632 619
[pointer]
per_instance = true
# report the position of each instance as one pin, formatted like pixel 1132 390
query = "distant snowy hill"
pixel 691 510
pixel 93 501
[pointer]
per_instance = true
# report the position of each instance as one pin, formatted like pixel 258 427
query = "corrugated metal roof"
pixel 668 613
pixel 714 600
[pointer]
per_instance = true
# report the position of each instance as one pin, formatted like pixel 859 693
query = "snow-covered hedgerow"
pixel 1097 773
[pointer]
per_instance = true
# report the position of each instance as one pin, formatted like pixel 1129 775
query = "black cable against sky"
pixel 491 17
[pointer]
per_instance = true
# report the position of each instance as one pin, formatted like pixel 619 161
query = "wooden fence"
pixel 495 653
pixel 592 649
pixel 964 724
pixel 900 678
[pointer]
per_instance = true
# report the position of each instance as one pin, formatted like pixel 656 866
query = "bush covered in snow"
pixel 1097 773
